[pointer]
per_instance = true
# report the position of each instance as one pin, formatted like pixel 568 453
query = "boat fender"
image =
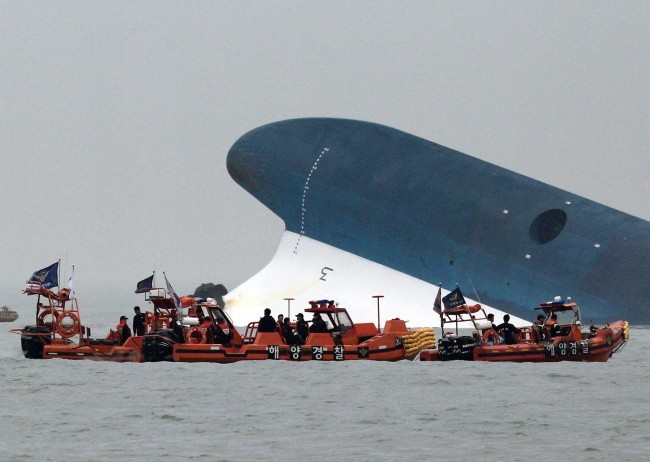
pixel 195 335
pixel 68 328
pixel 490 337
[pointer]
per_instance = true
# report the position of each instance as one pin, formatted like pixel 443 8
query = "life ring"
pixel 48 312
pixel 70 330
pixel 490 335
pixel 195 335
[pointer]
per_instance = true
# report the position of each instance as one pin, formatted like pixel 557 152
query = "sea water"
pixel 61 410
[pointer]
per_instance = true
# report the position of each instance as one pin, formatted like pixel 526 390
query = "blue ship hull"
pixel 445 217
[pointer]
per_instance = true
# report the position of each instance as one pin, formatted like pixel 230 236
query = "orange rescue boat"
pixel 563 340
pixel 217 339
pixel 58 332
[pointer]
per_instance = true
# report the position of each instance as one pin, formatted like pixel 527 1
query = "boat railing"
pixel 251 332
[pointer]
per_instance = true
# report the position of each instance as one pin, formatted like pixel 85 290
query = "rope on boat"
pixel 418 340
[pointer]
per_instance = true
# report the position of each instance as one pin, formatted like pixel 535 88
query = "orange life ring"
pixel 491 335
pixel 48 312
pixel 195 335
pixel 71 330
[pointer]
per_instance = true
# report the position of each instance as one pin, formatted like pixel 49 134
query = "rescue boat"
pixel 218 340
pixel 563 340
pixel 58 332
pixel 7 315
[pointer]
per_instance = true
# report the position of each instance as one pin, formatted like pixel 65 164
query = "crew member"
pixel 508 330
pixel 290 337
pixel 302 327
pixel 539 326
pixel 267 322
pixel 221 332
pixel 317 324
pixel 138 322
pixel 490 317
pixel 176 327
pixel 551 328
pixel 123 329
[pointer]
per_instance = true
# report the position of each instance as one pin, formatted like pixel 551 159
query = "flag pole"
pixel 437 305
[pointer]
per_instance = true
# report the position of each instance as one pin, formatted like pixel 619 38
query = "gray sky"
pixel 117 116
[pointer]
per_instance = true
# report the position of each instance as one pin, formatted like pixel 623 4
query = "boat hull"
pixel 319 347
pixel 97 350
pixel 597 348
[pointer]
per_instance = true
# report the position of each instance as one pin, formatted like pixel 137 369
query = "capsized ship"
pixel 367 206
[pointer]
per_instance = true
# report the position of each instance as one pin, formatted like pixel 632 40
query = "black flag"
pixel 453 299
pixel 145 285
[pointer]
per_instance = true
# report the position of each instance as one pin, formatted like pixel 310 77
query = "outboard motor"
pixel 158 345
pixel 33 339
pixel 454 348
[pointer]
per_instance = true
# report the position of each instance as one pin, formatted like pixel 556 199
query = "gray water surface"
pixel 60 410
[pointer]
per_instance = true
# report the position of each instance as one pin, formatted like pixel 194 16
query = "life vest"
pixel 225 327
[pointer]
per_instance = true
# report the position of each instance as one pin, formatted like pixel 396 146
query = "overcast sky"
pixel 116 117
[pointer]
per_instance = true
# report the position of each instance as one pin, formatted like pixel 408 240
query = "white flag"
pixel 72 295
pixel 170 290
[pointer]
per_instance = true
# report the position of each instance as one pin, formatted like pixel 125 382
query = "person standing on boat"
pixel 539 326
pixel 138 322
pixel 124 330
pixel 267 322
pixel 302 327
pixel 508 330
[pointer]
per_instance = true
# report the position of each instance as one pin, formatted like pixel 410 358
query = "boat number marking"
pixel 317 353
pixel 568 348
pixel 294 352
pixel 274 351
pixel 324 271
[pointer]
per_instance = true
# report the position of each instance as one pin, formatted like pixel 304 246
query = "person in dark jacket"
pixel 267 322
pixel 317 324
pixel 290 337
pixel 124 330
pixel 138 322
pixel 508 330
pixel 302 327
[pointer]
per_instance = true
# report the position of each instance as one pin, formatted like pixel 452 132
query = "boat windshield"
pixel 344 321
pixel 566 317
pixel 217 313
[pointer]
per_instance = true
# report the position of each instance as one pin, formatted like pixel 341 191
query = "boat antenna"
pixel 378 320
pixel 473 288
pixel 65 268
pixel 289 306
